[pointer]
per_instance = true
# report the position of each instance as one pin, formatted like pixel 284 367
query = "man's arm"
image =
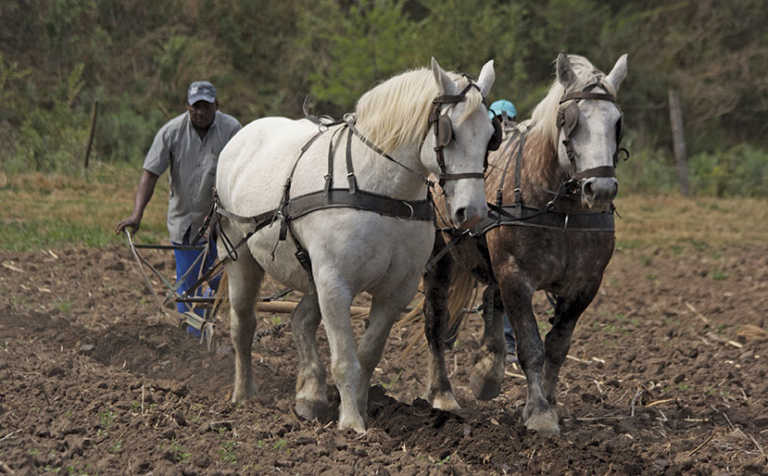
pixel 143 195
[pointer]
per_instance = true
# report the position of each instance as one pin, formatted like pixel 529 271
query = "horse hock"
pixel 311 395
pixel 488 372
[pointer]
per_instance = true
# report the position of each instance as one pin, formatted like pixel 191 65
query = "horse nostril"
pixel 587 190
pixel 461 215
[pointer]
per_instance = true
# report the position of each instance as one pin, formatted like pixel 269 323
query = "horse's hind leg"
pixel 384 312
pixel 311 398
pixel 245 277
pixel 488 372
pixel 436 285
pixel 558 341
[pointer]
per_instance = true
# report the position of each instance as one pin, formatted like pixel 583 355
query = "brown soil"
pixel 667 375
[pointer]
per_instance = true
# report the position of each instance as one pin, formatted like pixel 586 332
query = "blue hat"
pixel 201 91
pixel 501 106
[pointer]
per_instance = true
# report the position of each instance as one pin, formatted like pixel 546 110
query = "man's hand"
pixel 143 194
pixel 130 222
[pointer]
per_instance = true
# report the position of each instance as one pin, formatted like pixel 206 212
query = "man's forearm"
pixel 144 192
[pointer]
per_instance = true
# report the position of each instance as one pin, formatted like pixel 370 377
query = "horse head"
pixel 589 126
pixel 457 140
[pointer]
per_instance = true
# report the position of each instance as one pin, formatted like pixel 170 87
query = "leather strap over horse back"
pixel 420 210
pixel 291 208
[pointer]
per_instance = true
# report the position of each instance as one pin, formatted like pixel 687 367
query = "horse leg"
pixel 384 313
pixel 436 316
pixel 311 396
pixel 335 299
pixel 558 341
pixel 488 372
pixel 538 414
pixel 245 277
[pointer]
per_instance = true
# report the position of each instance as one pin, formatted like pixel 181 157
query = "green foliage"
pixel 647 171
pixel 739 171
pixel 136 58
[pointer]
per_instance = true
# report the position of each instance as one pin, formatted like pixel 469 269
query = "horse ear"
pixel 565 74
pixel 444 82
pixel 486 79
pixel 618 73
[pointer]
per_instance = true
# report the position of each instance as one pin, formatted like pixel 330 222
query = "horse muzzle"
pixel 598 189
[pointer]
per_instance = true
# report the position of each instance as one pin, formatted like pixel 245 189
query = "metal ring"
pixel 410 208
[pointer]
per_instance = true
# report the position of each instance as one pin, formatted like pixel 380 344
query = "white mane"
pixel 396 111
pixel 544 116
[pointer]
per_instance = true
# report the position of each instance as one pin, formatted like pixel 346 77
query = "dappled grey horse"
pixel 550 187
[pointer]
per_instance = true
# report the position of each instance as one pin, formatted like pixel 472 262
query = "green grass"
pixel 55 211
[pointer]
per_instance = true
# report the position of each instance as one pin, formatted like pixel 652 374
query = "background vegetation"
pixel 136 57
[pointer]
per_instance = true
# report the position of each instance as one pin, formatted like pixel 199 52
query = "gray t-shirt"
pixel 193 168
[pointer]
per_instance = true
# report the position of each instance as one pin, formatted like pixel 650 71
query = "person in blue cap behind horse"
pixel 506 112
pixel 188 145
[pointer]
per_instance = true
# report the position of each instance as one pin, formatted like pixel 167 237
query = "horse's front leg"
pixel 335 299
pixel 436 322
pixel 538 414
pixel 311 396
pixel 488 372
pixel 558 341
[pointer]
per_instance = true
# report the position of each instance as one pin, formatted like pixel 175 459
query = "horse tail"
pixel 461 292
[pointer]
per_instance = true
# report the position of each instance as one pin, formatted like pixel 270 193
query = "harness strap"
pixel 350 168
pixel 518 166
pixel 350 121
pixel 329 177
pixel 521 215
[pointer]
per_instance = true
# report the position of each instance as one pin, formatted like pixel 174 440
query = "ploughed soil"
pixel 666 375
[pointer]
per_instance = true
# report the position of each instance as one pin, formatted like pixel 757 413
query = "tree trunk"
pixel 678 139
pixel 94 113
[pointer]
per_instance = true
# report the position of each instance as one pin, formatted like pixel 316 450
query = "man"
pixel 190 145
pixel 506 112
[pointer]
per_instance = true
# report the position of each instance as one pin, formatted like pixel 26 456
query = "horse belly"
pixel 366 251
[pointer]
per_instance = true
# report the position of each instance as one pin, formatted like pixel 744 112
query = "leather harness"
pixel 292 208
pixel 518 214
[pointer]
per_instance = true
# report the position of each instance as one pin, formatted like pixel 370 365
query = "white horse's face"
pixel 464 148
pixel 591 128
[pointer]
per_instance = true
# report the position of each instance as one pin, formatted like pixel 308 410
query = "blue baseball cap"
pixel 201 91
pixel 502 106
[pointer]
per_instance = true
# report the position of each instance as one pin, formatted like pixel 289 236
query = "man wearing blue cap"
pixel 188 144
pixel 506 112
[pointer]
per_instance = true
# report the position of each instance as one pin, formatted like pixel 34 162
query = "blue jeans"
pixel 509 335
pixel 184 260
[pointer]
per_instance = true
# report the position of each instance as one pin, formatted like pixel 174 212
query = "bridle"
pixel 568 120
pixel 443 130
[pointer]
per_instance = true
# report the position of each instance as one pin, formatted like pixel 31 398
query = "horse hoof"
pixel 544 423
pixel 486 378
pixel 446 402
pixel 242 396
pixel 312 409
pixel 349 423
pixel 484 387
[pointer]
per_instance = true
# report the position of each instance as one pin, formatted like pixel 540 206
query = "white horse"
pixel 351 250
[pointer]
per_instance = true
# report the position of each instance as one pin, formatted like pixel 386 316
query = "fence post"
pixel 678 140
pixel 94 112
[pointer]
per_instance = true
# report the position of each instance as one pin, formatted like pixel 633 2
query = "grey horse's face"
pixel 464 146
pixel 591 128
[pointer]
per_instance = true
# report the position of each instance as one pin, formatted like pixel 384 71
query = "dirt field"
pixel 667 375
